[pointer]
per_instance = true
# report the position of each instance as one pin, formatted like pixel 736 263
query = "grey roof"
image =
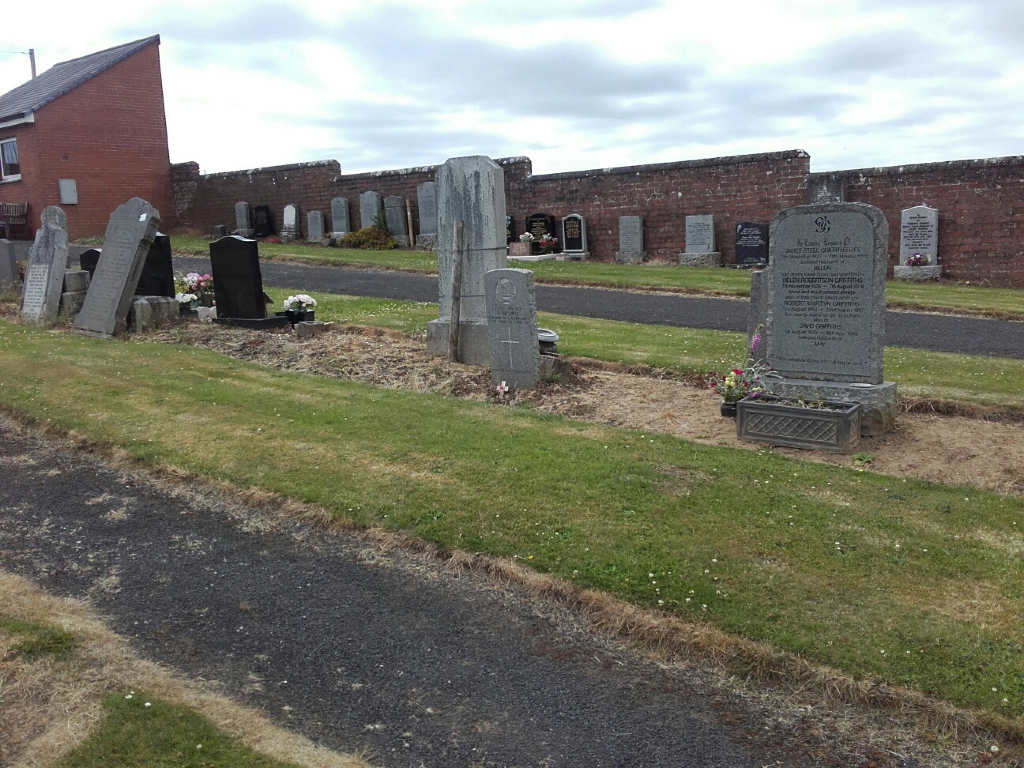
pixel 64 77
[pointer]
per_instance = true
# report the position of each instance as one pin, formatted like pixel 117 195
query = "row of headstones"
pixel 258 221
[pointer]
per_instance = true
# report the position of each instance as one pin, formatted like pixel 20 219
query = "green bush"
pixel 371 239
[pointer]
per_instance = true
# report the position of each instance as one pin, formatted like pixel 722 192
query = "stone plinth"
pixel 151 312
pixel 928 272
pixel 702 259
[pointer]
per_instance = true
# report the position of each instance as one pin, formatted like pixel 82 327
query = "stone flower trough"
pixel 827 425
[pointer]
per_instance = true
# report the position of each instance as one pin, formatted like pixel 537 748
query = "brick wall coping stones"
pixel 945 165
pixel 791 154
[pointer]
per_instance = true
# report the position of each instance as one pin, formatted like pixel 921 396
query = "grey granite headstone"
pixel 290 223
pixel 8 263
pixel 315 226
pixel 471 190
pixel 369 207
pixel 919 233
pixel 243 219
pixel 574 237
pixel 826 188
pixel 394 210
pixel 130 233
pixel 47 261
pixel 237 281
pixel 512 328
pixel 339 216
pixel 631 240
pixel 426 199
pixel 700 243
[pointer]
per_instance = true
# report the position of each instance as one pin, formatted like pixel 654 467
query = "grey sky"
pixel 574 85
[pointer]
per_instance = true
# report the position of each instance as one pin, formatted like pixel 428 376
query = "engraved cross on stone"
pixel 510 342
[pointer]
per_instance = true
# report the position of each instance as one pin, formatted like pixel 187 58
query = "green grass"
pixel 36 640
pixel 133 734
pixel 919 373
pixel 938 295
pixel 917 583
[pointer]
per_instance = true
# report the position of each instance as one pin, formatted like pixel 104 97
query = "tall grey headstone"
pixel 290 223
pixel 826 307
pixel 631 240
pixel 8 263
pixel 426 199
pixel 369 207
pixel 394 210
pixel 315 226
pixel 919 233
pixel 47 262
pixel 512 328
pixel 471 190
pixel 243 219
pixel 339 216
pixel 700 243
pixel 130 233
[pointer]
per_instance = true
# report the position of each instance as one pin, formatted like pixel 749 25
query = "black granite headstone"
pixel 262 221
pixel 751 244
pixel 510 229
pixel 88 260
pixel 157 273
pixel 237 282
pixel 540 224
pixel 573 233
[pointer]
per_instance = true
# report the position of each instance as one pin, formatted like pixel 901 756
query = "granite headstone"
pixel 394 211
pixel 339 216
pixel 751 244
pixel 826 188
pixel 631 240
pixel 919 234
pixel 237 282
pixel 540 224
pixel 369 207
pixel 574 237
pixel 157 278
pixel 8 263
pixel 290 223
pixel 47 262
pixel 512 328
pixel 315 226
pixel 700 243
pixel 262 221
pixel 243 219
pixel 426 199
pixel 129 236
pixel 510 229
pixel 88 260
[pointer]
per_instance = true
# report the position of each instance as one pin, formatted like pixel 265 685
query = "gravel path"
pixel 915 330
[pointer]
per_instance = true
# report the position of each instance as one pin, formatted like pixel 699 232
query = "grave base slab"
pixel 877 401
pixel 631 257
pixel 928 272
pixel 538 257
pixel 254 323
pixel 426 242
pixel 573 256
pixel 151 311
pixel 474 348
pixel 701 259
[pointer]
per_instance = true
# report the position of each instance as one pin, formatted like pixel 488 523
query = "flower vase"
pixel 729 410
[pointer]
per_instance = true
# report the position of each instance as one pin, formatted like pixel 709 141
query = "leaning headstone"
pixel 157 278
pixel 8 264
pixel 339 217
pixel 88 260
pixel 426 201
pixel 262 221
pixel 47 262
pixel 574 238
pixel 631 240
pixel 512 328
pixel 290 223
pixel 130 233
pixel 919 240
pixel 394 210
pixel 826 188
pixel 243 219
pixel 826 308
pixel 369 207
pixel 470 190
pixel 751 244
pixel 700 243
pixel 237 281
pixel 315 226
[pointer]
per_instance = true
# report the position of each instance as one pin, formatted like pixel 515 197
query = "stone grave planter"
pixel 827 426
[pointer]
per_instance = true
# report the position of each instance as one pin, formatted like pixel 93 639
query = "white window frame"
pixel 4 177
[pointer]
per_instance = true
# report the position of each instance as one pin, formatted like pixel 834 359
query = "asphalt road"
pixel 353 649
pixel 939 333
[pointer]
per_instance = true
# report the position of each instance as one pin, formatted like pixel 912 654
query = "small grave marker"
pixel 512 328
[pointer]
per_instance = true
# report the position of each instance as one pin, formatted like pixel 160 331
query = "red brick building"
pixel 87 135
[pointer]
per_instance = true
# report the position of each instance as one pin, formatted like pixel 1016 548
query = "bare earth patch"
pixel 955 450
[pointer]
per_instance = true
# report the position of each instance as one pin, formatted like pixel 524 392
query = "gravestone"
pixel 426 201
pixel 8 263
pixel 47 262
pixel 74 291
pixel 512 328
pixel 369 207
pixel 826 308
pixel 315 226
pixel 89 259
pixel 919 233
pixel 243 219
pixel 471 190
pixel 237 282
pixel 540 224
pixel 574 237
pixel 129 236
pixel 157 278
pixel 826 188
pixel 394 211
pixel 339 217
pixel 510 229
pixel 631 240
pixel 219 230
pixel 290 223
pixel 262 221
pixel 751 244
pixel 700 243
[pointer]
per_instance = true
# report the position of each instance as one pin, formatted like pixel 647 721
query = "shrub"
pixel 371 239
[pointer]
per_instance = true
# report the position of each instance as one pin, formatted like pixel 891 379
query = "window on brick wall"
pixel 10 169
